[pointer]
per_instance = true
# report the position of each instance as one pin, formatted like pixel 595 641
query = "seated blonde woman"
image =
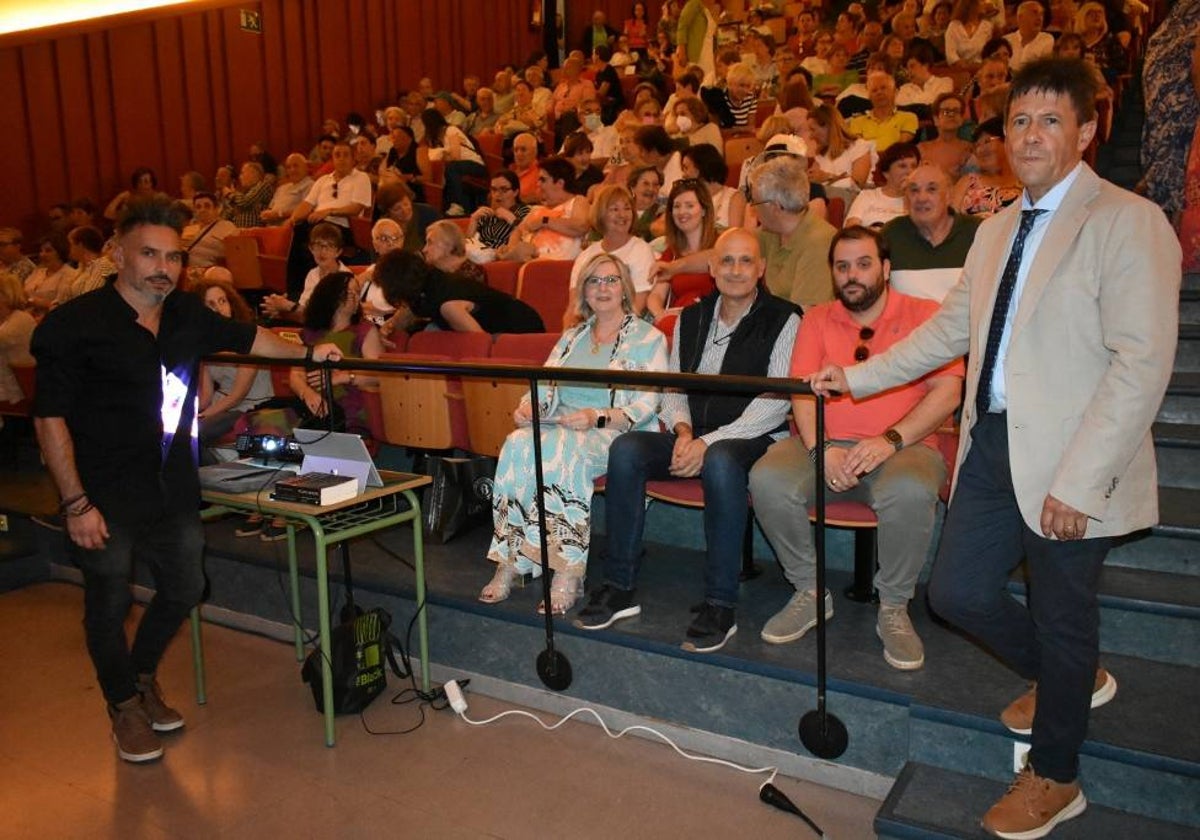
pixel 580 422
pixel 16 329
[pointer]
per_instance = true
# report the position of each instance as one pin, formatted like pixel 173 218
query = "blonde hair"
pixel 606 196
pixel 12 291
pixel 772 125
pixel 627 293
pixel 740 72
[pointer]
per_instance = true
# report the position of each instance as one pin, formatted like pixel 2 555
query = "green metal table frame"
pixel 377 509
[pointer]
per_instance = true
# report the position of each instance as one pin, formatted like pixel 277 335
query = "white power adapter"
pixel 455 697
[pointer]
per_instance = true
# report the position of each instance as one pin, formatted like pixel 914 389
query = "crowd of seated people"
pixel 639 187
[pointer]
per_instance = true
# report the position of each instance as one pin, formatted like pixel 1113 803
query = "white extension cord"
pixel 767 792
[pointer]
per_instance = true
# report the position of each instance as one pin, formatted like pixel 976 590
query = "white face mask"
pixel 684 123
pixel 592 122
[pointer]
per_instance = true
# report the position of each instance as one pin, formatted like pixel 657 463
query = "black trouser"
pixel 1055 640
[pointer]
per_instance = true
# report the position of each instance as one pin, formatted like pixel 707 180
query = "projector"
pixel 269 448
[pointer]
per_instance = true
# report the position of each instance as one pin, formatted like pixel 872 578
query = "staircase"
pixel 1140 765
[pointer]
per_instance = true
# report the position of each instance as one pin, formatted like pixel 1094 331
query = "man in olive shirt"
pixel 794 242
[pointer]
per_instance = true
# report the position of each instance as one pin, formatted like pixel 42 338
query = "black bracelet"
pixel 308 357
pixel 80 511
pixel 66 503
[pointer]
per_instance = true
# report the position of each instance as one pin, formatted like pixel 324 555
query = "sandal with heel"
pixel 564 592
pixel 501 584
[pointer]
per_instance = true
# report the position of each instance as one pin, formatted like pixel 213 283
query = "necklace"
pixel 596 340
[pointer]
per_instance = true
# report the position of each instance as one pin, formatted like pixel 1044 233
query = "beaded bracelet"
pixel 81 511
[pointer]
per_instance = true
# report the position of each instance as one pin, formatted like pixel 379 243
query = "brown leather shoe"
pixel 132 732
pixel 1018 717
pixel 1033 806
pixel 162 717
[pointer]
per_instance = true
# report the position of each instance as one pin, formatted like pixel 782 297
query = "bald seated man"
pixel 741 329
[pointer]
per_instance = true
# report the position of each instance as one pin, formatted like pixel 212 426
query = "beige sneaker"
pixel 902 646
pixel 1018 717
pixel 132 732
pixel 1033 806
pixel 162 717
pixel 798 616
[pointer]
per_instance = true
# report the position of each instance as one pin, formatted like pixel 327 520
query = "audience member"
pixel 52 275
pixel 577 149
pixel 525 114
pixel 696 34
pixel 736 104
pixel 386 236
pixel 16 330
pixel 290 191
pixel 446 249
pixel 461 159
pixel 419 291
pixel 873 208
pixel 612 222
pixel 644 185
pixel 839 160
pixel 742 329
pixel 11 258
pixel 994 186
pixel 395 201
pixel 1102 47
pixel 554 228
pixel 86 250
pixel 325 245
pixel 580 424
pixel 706 164
pixel 880 451
pixel 599 32
pixel 143 183
pixel 691 231
pixel 922 87
pixel 203 239
pixel 485 116
pixel 245 205
pixel 928 246
pixel 1029 42
pixel 947 149
pixel 493 224
pixel 525 165
pixel 966 34
pixel 884 124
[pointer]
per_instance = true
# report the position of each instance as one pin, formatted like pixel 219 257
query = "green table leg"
pixel 198 658
pixel 294 581
pixel 419 567
pixel 325 630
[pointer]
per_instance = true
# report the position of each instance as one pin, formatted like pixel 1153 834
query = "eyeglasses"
pixel 602 280
pixel 502 189
pixel 862 352
pixel 386 239
pixel 323 246
pixel 950 112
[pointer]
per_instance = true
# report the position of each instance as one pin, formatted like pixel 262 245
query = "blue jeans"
pixel 1055 639
pixel 458 192
pixel 638 457
pixel 172 546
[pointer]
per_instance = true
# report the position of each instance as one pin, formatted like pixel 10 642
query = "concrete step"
pixel 1177 450
pixel 1191 282
pixel 1148 614
pixel 1187 351
pixel 1141 754
pixel 1178 513
pixel 1189 306
pixel 1156 553
pixel 932 803
pixel 1180 405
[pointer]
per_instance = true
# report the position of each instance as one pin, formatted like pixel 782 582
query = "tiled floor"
pixel 251 763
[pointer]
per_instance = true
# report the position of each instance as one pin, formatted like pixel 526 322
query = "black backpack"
pixel 359 650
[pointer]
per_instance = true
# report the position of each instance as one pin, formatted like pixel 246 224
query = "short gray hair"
pixel 453 235
pixel 782 181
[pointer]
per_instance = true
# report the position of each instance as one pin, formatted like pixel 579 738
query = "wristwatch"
pixel 601 420
pixel 893 437
pixel 545 221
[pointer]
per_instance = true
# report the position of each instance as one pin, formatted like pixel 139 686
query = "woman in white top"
pixel 876 207
pixel 52 275
pixel 842 161
pixel 462 160
pixel 612 220
pixel 967 34
pixel 555 228
pixel 16 330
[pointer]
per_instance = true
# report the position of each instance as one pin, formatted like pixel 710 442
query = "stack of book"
pixel 316 488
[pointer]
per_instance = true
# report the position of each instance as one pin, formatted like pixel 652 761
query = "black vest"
pixel 748 353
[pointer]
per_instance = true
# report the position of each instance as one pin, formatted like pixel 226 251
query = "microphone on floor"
pixel 776 798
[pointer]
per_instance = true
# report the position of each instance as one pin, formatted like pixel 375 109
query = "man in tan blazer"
pixel 1068 309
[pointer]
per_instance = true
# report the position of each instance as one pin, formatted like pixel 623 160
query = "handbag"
pixel 358 652
pixel 460 496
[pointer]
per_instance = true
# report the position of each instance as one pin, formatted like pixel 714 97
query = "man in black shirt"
pixel 115 417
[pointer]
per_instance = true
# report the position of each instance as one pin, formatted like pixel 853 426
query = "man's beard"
pixel 866 301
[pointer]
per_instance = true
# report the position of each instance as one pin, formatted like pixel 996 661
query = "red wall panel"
pixel 190 90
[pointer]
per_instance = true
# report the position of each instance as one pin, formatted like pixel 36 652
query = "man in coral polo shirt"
pixel 878 450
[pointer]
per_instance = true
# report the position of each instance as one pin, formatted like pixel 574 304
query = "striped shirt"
pixel 764 414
